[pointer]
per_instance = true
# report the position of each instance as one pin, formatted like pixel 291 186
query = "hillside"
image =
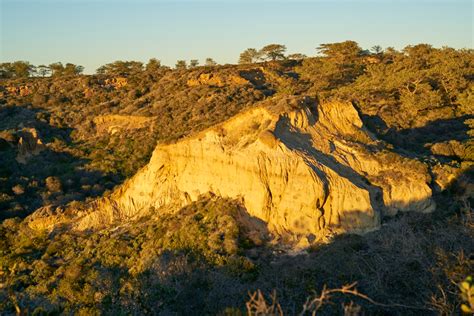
pixel 305 169
pixel 178 191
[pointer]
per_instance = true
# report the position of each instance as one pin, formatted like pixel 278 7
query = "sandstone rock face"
pixel 216 80
pixel 19 91
pixel 306 169
pixel 449 148
pixel 29 144
pixel 112 124
pixel 115 83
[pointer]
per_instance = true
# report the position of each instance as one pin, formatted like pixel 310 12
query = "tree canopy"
pixel 17 69
pixel 297 56
pixel 273 52
pixel 153 65
pixel 181 64
pixel 193 63
pixel 250 55
pixel 23 69
pixel 210 62
pixel 121 68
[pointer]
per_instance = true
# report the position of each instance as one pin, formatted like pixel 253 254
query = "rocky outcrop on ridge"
pixel 305 169
pixel 216 80
pixel 29 145
pixel 113 123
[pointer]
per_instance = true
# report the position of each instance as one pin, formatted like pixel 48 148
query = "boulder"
pixel 29 145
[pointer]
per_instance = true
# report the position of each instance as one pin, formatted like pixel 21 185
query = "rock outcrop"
pixel 19 91
pixel 29 145
pixel 115 83
pixel 216 80
pixel 306 169
pixel 112 124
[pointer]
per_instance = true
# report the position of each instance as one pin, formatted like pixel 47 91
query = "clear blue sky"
pixel 92 33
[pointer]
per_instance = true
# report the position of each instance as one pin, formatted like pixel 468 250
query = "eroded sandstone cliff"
pixel 306 169
pixel 29 145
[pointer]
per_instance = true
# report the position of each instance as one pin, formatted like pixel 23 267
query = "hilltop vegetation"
pixel 67 138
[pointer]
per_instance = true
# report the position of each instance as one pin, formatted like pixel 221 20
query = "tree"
pixel 102 70
pixel 340 65
pixel 297 56
pixel 56 69
pixel 72 70
pixel 377 49
pixel 391 51
pixel 6 70
pixel 249 56
pixel 210 62
pixel 33 70
pixel 121 68
pixel 342 52
pixel 181 64
pixel 193 63
pixel 43 70
pixel 79 69
pixel 273 52
pixel 153 65
pixel 21 69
